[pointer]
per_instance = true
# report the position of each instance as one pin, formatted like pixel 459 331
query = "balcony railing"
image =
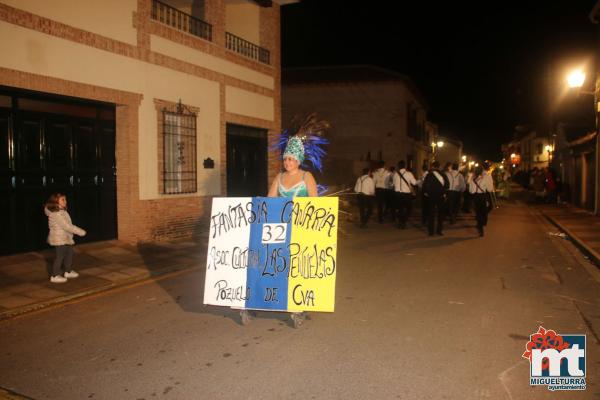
pixel 246 48
pixel 171 16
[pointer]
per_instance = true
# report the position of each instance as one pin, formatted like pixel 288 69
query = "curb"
pixel 588 251
pixel 6 394
pixel 158 275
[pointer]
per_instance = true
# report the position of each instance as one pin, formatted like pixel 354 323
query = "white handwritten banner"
pixel 272 253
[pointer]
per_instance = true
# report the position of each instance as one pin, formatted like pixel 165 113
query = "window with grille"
pixel 179 151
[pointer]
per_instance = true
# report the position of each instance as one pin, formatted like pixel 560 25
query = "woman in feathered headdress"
pixel 299 149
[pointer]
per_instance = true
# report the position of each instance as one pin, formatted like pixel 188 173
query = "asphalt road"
pixel 416 318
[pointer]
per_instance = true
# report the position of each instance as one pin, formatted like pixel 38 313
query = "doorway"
pixel 247 163
pixel 55 144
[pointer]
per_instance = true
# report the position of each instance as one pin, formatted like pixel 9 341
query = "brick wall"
pixel 177 216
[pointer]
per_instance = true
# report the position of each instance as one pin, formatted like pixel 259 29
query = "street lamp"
pixel 576 78
pixel 434 144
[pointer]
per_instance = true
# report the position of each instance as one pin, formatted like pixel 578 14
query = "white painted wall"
pixel 364 116
pixel 242 18
pixel 110 18
pixel 213 63
pixel 41 54
pixel 242 102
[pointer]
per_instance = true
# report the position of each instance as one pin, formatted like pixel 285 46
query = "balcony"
pixel 171 16
pixel 247 49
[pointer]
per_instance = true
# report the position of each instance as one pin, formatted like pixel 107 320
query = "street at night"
pixel 299 199
pixel 415 318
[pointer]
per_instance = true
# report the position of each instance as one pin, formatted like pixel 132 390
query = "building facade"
pixel 375 114
pixel 451 150
pixel 139 110
pixel 527 151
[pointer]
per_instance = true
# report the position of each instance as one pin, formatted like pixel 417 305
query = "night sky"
pixel 483 67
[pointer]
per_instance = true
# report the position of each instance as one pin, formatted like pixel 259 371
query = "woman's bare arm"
pixel 273 188
pixel 311 185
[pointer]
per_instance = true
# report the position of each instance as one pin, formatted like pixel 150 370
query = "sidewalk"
pixel 25 286
pixel 582 226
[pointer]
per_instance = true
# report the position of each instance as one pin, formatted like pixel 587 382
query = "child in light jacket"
pixel 60 236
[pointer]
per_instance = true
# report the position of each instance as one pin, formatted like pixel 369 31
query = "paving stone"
pixel 37 275
pixel 115 266
pixel 118 251
pixel 18 269
pixel 45 293
pixel 23 287
pixel 19 258
pixel 115 276
pixel 96 271
pixel 85 260
pixel 8 281
pixel 132 271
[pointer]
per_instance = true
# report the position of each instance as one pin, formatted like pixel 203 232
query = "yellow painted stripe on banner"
pixel 313 252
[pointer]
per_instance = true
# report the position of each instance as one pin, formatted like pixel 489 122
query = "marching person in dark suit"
pixel 435 186
pixel 423 199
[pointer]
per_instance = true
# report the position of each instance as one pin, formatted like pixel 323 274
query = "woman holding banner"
pixel 294 181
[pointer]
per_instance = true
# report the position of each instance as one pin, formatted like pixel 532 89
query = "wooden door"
pixel 247 173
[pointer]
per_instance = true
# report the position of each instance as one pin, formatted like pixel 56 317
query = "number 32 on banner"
pixel 274 233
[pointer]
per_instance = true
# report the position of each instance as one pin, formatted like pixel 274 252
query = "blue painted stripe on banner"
pixel 268 271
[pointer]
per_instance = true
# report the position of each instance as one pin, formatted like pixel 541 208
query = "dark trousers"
pixel 404 206
pixel 380 197
pixel 466 208
pixel 64 256
pixel 365 208
pixel 453 205
pixel 435 207
pixel 481 210
pixel 390 203
pixel 424 209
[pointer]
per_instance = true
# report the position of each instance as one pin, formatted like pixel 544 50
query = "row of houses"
pixel 376 115
pixel 142 111
pixel 566 140
pixel 527 150
pixel 569 152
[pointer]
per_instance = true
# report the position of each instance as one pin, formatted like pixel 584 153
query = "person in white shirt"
pixel 380 177
pixel 390 198
pixel 424 203
pixel 365 187
pixel 404 182
pixel 457 186
pixel 480 185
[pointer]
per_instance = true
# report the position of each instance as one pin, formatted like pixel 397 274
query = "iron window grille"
pixel 179 151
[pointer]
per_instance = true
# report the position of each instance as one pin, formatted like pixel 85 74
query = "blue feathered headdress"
pixel 310 132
